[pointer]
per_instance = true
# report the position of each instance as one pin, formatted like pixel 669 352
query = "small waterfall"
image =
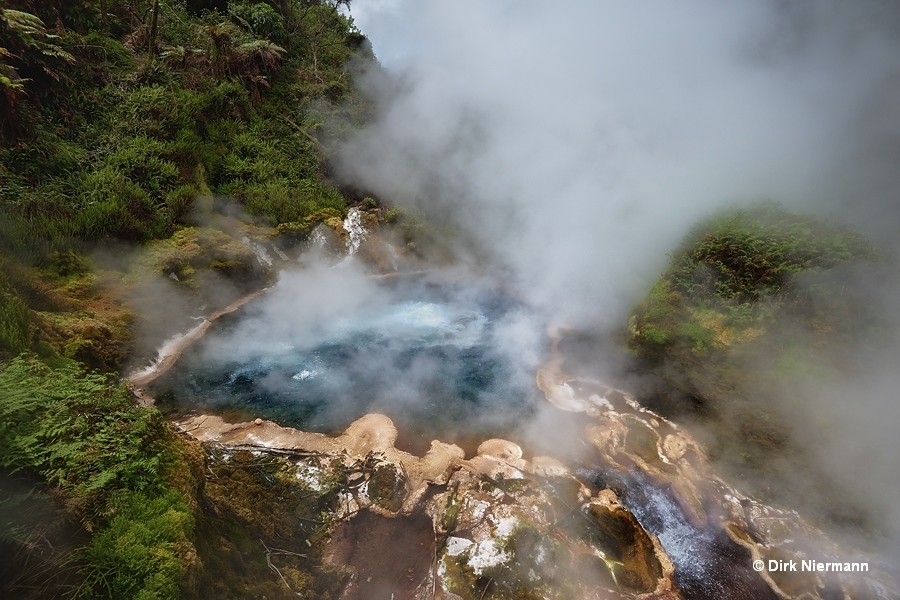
pixel 262 255
pixel 171 347
pixel 317 239
pixel 394 256
pixel 353 225
pixel 707 563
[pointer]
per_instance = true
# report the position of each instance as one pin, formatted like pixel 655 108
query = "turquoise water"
pixel 440 363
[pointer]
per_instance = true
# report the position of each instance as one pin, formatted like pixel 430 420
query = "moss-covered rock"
pixel 261 509
pixel 193 249
pixel 625 545
pixel 527 538
pixel 387 486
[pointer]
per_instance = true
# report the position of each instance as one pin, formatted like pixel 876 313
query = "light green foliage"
pixel 284 202
pixel 141 554
pixel 700 337
pixel 113 202
pixel 253 159
pixel 110 457
pixel 271 176
pixel 79 432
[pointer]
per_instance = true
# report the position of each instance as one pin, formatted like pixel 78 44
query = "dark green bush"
pixel 745 255
pixel 114 205
pixel 259 18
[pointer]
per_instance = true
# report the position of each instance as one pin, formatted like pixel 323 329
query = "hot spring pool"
pixel 441 361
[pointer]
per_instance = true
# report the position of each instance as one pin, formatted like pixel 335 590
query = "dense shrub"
pixel 742 270
pixel 111 458
pixel 14 321
pixel 122 142
pixel 745 255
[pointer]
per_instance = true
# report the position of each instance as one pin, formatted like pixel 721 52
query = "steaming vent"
pixel 317 239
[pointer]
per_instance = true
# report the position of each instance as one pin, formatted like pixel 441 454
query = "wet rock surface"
pixel 634 553
pixel 541 537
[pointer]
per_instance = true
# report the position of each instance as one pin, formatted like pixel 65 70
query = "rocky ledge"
pixel 501 524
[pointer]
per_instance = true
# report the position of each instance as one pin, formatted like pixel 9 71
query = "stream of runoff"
pixel 442 361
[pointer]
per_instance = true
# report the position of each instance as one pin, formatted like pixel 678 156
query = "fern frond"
pixel 25 22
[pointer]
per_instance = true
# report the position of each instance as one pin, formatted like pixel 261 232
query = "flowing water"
pixel 708 564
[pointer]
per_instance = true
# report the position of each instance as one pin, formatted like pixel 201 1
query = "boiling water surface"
pixel 441 362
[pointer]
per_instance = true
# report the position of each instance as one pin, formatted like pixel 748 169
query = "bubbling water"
pixel 432 359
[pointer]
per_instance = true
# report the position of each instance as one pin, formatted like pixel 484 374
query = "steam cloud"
pixel 328 345
pixel 576 144
pixel 579 144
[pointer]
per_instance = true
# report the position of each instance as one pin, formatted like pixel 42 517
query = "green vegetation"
pixel 106 137
pixel 14 324
pixel 754 302
pixel 119 124
pixel 264 515
pixel 158 532
pixel 114 462
pixel 739 274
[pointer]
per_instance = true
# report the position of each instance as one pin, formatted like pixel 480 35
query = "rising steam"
pixel 576 143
